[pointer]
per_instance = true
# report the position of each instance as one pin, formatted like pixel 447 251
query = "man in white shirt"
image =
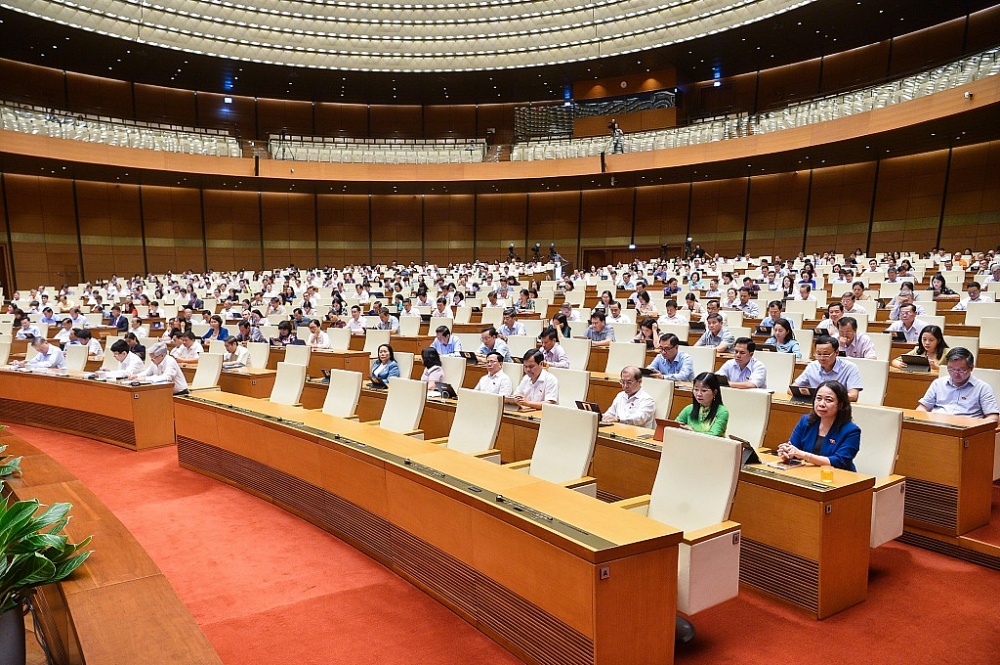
pixel 408 308
pixel 28 330
pixel 633 405
pixel 571 314
pixel 188 351
pixel 356 324
pixel 538 386
pixel 318 339
pixel 442 309
pixel 78 319
pixel 49 356
pixel 128 363
pixel 747 306
pixel 973 294
pixel 908 323
pixel 236 355
pixel 905 297
pixel 615 314
pixel 86 338
pixel 495 380
pixel 851 306
pixel 671 316
pixel 386 321
pixel 163 368
pixel 743 370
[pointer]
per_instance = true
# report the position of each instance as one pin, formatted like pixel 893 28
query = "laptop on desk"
pixel 696 326
pixel 915 363
pixel 897 336
pixel 802 394
pixel 446 390
pixel 470 357
pixel 593 407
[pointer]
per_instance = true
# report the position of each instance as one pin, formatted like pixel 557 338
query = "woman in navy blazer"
pixel 827 436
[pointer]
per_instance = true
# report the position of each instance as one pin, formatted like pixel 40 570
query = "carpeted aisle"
pixel 267 587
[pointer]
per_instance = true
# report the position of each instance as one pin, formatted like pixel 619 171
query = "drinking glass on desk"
pixel 826 475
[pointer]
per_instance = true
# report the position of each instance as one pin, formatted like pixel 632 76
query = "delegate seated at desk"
pixel 743 370
pixel 828 366
pixel 385 367
pixel 706 413
pixel 492 344
pixel 236 355
pixel 318 339
pixel 163 368
pixel 188 351
pixel 931 345
pixel 445 343
pixel 672 364
pixel 633 405
pixel 495 380
pixel 538 386
pixel 716 336
pixel 553 355
pixel 908 323
pixel 128 362
pixel 960 393
pixel 828 435
pixel 49 356
pixel 599 333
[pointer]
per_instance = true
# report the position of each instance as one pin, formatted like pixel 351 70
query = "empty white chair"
pixel 340 338
pixel 626 331
pixel 454 370
pixel 404 406
pixel 573 385
pixel 217 346
pixel 880 430
pixel 874 378
pixel 409 326
pixel 463 315
pixel 702 358
pixel 260 353
pixel 780 367
pixel 806 307
pixel 476 425
pixel 519 344
pixel 343 393
pixel 706 467
pixel 662 392
pixel 989 332
pixel 297 354
pixel 578 352
pixel 623 354
pixel 94 320
pixel 882 344
pixel 375 339
pixel 532 327
pixel 977 311
pixel 76 357
pixel 805 339
pixel 199 329
pixel 288 384
pixel 437 321
pixel 207 374
pixel 514 370
pixel 405 361
pixel 5 351
pixel 562 459
pixel 749 413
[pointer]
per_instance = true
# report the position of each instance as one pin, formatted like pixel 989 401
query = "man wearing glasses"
pixel 828 366
pixel 633 405
pixel 495 380
pixel 672 364
pixel 960 393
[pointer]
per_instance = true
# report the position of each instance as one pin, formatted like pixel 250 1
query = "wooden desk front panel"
pixel 132 417
pixel 462 551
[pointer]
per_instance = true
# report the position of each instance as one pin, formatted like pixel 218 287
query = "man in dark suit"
pixel 117 320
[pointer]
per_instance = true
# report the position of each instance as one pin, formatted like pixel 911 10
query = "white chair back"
pixel 780 367
pixel 217 346
pixel 4 351
pixel 76 357
pixel 806 307
pixel 880 431
pixel 94 320
pixel 662 393
pixel 623 354
pixel 491 316
pixel 533 327
pixel 404 405
pixel 977 311
pixel 989 332
pixel 514 370
pixel 749 412
pixel 405 361
pixel 559 458
pixel 340 338
pixel 874 378
pixel 437 321
pixel 260 353
pixel 519 344
pixel 805 340
pixel 463 315
pixel 298 354
pixel 288 383
pixel 208 371
pixel 578 351
pixel 477 421
pixel 454 370
pixel 702 358
pixel 200 329
pixel 969 343
pixel 573 385
pixel 375 339
pixel 343 393
pixel 409 326
pixel 626 331
pixel 882 344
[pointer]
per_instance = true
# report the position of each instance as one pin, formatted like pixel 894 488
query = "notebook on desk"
pixel 915 363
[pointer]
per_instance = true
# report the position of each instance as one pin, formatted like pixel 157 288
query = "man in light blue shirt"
pixel 743 370
pixel 775 311
pixel 511 326
pixel 715 335
pixel 960 393
pixel 49 356
pixel 908 323
pixel 828 366
pixel 445 343
pixel 672 364
pixel 492 344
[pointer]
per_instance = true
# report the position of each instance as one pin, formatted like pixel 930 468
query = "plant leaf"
pixel 13 519
pixel 66 567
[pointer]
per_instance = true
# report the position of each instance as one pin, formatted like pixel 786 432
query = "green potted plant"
pixel 33 553
pixel 8 465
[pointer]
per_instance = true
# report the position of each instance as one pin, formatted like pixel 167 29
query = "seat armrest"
pixel 523 466
pixel 585 485
pixel 416 433
pixel 353 417
pixel 373 423
pixel 710 532
pixel 492 455
pixel 889 481
pixel 637 504
pixel 438 441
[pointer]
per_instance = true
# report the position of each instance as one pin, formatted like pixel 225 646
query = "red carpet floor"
pixel 267 587
pixel 991 532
